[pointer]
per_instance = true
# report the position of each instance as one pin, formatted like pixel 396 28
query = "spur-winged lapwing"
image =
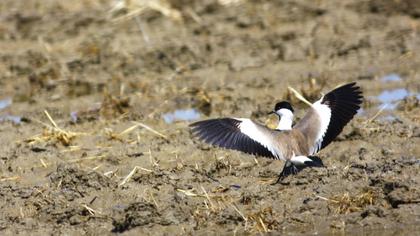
pixel 296 144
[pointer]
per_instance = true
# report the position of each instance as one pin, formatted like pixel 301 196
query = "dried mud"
pixel 95 171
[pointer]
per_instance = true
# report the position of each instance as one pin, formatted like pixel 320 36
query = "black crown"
pixel 283 105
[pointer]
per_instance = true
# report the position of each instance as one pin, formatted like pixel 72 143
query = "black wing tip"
pixel 344 102
pixel 199 123
pixel 212 131
pixel 225 133
pixel 350 93
pixel 351 87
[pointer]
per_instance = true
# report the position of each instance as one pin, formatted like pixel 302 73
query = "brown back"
pixel 310 126
pixel 291 142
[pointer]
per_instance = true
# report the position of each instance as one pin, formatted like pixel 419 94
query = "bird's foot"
pixel 288 169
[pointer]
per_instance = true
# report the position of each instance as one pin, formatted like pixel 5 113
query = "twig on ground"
pixel 152 130
pixel 128 177
pixel 9 178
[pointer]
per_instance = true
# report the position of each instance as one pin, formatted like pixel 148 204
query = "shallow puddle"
pixel 181 115
pixel 388 118
pixel 74 117
pixel 391 78
pixel 4 103
pixel 389 99
pixel 14 119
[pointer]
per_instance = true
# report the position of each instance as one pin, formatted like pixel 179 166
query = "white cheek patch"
pixel 300 160
pixel 286 119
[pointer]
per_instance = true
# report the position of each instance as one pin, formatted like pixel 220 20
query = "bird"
pixel 297 144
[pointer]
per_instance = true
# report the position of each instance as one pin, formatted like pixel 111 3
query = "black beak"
pixel 271 112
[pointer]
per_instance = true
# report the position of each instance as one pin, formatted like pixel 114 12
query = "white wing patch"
pixel 324 113
pixel 250 129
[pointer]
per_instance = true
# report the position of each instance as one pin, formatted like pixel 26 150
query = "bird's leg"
pixel 288 169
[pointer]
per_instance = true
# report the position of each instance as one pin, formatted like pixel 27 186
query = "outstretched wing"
pixel 238 134
pixel 327 117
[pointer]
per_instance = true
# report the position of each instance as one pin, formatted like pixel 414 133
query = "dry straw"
pixel 132 172
pixel 54 133
pixel 136 8
pixel 346 203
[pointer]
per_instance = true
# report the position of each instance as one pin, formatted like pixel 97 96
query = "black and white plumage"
pixel 322 123
pixel 227 133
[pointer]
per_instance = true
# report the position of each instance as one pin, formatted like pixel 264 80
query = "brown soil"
pixel 95 76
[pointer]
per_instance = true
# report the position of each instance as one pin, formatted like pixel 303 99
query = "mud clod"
pixel 75 182
pixel 138 214
pixel 85 148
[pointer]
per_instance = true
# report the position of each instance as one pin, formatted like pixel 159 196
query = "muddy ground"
pixel 97 72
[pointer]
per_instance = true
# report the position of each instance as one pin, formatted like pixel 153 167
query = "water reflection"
pixel 389 98
pixel 391 78
pixel 13 119
pixel 73 116
pixel 4 103
pixel 388 101
pixel 388 118
pixel 181 115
